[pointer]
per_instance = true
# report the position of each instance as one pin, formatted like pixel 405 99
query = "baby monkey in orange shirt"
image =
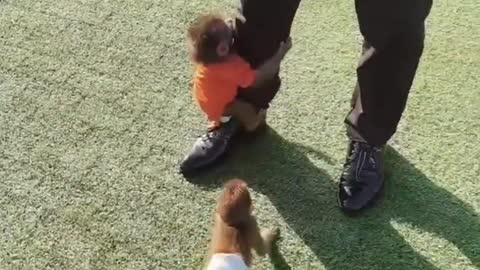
pixel 220 72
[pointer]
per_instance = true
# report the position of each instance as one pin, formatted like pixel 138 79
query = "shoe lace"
pixel 223 131
pixel 211 132
pixel 363 158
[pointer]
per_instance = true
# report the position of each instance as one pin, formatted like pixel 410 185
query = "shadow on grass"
pixel 305 196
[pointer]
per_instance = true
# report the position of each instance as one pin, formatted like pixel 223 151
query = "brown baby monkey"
pixel 220 72
pixel 235 231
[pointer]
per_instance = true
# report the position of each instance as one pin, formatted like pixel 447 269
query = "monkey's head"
pixel 235 204
pixel 210 39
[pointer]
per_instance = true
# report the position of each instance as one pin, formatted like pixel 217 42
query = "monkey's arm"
pixel 267 70
pixel 255 238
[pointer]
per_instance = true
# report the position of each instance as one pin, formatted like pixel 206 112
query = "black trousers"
pixel 268 22
pixel 394 28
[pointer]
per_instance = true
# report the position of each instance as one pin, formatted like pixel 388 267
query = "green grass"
pixel 95 112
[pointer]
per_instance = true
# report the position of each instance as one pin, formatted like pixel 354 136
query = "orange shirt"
pixel 216 85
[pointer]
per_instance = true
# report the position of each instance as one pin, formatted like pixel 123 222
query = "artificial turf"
pixel 96 111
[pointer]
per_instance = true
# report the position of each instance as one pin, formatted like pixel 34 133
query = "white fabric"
pixel 225 119
pixel 222 261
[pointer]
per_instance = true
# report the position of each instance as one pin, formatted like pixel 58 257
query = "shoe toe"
pixel 348 201
pixel 203 153
pixel 352 200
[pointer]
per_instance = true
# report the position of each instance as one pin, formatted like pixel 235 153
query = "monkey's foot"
pixel 210 147
pixel 260 129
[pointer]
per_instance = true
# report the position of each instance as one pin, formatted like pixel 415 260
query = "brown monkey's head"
pixel 235 205
pixel 210 39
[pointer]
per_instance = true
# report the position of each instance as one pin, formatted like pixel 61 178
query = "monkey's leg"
pixel 246 113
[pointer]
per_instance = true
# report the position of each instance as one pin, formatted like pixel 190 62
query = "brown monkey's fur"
pixel 235 229
pixel 204 39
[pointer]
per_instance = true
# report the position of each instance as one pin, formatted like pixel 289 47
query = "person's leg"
pixel 384 82
pixel 385 75
pixel 268 23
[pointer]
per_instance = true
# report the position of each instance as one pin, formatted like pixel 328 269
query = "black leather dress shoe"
pixel 362 177
pixel 210 147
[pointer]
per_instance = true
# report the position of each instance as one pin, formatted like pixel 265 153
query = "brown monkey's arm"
pixel 255 238
pixel 268 69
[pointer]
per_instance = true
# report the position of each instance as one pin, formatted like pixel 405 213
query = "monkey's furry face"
pixel 224 32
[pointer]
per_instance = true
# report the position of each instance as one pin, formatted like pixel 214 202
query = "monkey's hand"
pixel 285 46
pixel 269 236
